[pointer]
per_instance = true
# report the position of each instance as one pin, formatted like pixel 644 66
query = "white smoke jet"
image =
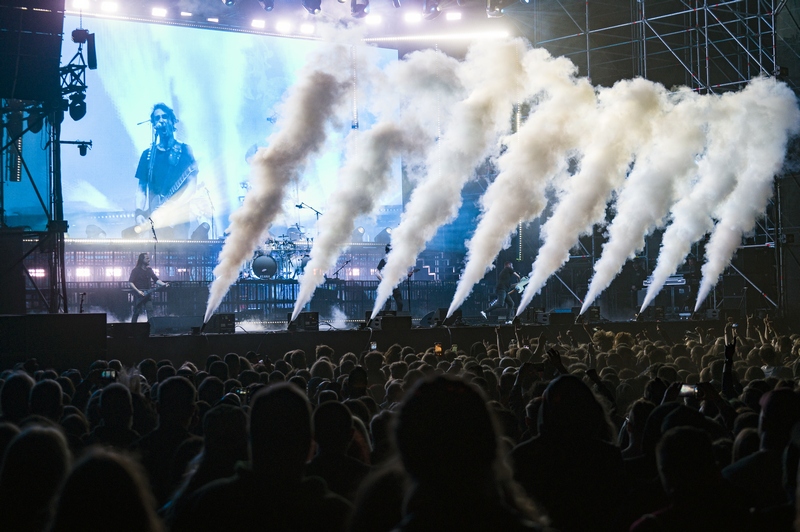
pixel 728 129
pixel 773 116
pixel 533 156
pixel 424 77
pixel 662 169
pixel 313 102
pixel 495 76
pixel 623 123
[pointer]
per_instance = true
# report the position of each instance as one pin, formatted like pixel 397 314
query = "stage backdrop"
pixel 225 88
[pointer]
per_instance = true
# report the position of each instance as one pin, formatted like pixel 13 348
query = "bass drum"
pixel 263 267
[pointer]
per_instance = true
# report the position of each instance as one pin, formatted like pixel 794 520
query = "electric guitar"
pixel 141 299
pixel 520 286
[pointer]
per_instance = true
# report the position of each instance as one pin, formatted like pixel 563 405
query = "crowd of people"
pixel 591 431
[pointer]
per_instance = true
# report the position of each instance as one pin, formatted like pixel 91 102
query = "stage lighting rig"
pixel 267 5
pixel 312 6
pixel 496 8
pixel 431 9
pixel 229 2
pixel 358 10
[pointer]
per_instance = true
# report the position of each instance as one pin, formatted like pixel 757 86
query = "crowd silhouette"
pixel 591 431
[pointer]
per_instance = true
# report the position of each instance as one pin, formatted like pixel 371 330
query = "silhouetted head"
pixel 46 400
pixel 225 431
pixel 280 430
pixel 570 409
pixel 686 462
pixel 176 401
pixel 333 427
pixel 14 396
pixel 36 462
pixel 445 431
pixel 106 490
pixel 116 406
pixel 780 410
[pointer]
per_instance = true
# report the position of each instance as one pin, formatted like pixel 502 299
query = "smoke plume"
pixel 622 123
pixel 773 116
pixel 424 77
pixel 662 170
pixel 533 156
pixel 312 103
pixel 494 75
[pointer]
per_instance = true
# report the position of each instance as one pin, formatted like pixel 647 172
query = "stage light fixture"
pixel 77 106
pixel 494 8
pixel 35 120
pixel 283 26
pixel 215 20
pixel 373 20
pixel 430 9
pixel 384 237
pixel 307 29
pixel 229 2
pixel 412 17
pixel 83 149
pixel 453 15
pixel 396 3
pixel 185 14
pixel 357 235
pixel 201 233
pixel 267 5
pixel 312 6
pixel 259 23
pixel 159 12
pixel 358 10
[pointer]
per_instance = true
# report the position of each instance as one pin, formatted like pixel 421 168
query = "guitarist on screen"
pixel 167 171
pixel 141 281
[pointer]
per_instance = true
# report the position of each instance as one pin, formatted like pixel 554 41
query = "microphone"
pixel 83 293
pixel 300 206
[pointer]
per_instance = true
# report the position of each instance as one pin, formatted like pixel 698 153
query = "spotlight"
pixel 77 106
pixel 267 5
pixel 35 120
pixel 396 3
pixel 357 235
pixel 430 9
pixel 384 237
pixel 494 8
pixel 80 35
pixel 229 2
pixel 312 6
pixel 201 233
pixel 82 149
pixel 359 10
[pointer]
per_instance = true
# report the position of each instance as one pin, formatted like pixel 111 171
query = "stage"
pixel 63 341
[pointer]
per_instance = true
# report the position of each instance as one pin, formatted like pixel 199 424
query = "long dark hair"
pixel 140 261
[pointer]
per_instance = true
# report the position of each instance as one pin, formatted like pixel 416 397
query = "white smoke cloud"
pixel 533 156
pixel 424 77
pixel 728 128
pixel 622 123
pixel 773 116
pixel 494 75
pixel 315 100
pixel 662 170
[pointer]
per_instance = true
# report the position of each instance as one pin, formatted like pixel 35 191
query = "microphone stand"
pixel 155 238
pixel 213 231
pixel 336 273
pixel 306 205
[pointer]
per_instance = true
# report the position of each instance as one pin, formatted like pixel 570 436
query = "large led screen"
pixel 225 89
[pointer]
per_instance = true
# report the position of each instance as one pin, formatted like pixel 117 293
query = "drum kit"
pixel 283 257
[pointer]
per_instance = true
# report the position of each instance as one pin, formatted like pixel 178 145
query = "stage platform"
pixel 62 341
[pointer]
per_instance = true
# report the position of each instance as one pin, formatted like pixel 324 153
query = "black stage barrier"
pixel 62 341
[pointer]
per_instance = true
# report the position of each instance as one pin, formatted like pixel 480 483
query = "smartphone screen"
pixel 437 348
pixel 373 346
